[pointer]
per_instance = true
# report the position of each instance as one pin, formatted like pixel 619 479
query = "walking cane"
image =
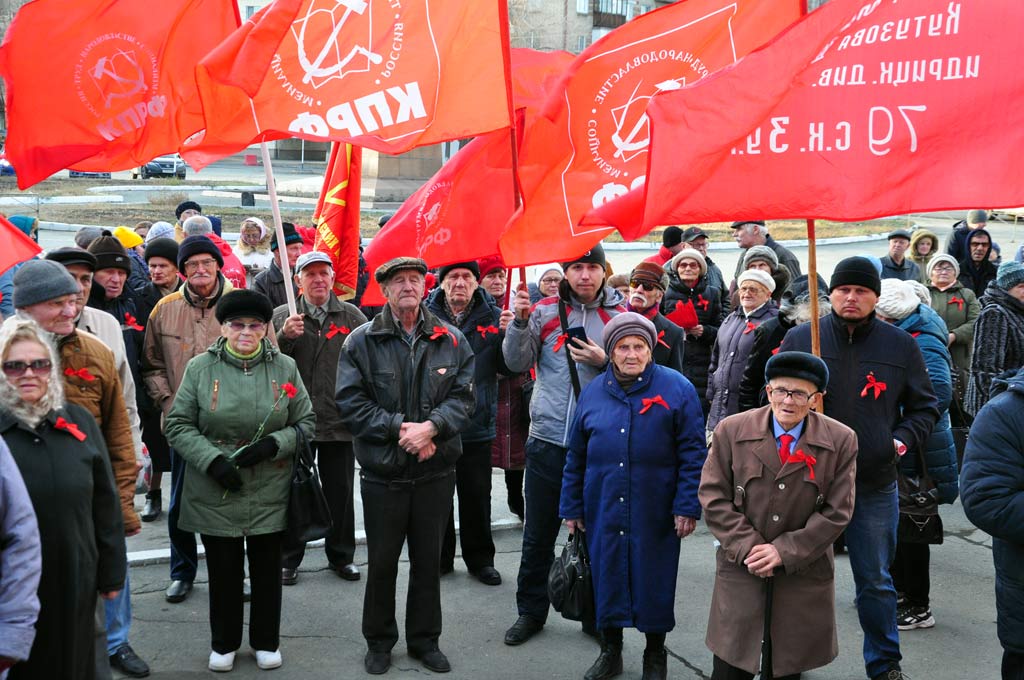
pixel 766 639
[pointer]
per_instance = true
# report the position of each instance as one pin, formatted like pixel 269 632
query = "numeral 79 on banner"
pixel 882 127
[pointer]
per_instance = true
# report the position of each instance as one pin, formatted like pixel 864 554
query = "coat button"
pixel 782 485
pixel 622 430
pixel 622 533
pixel 775 518
pixel 621 464
pixel 621 499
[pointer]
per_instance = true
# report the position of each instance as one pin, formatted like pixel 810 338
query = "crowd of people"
pixel 625 406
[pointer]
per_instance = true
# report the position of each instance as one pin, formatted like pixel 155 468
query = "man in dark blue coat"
pixel 992 491
pixel 879 387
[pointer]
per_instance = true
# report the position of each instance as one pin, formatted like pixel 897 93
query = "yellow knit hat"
pixel 127 237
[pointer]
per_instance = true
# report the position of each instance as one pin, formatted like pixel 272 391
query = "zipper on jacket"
pixel 216 392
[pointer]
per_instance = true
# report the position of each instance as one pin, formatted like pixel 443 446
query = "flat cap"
pixel 391 267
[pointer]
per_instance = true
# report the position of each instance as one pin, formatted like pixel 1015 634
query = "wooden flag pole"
pixel 812 284
pixel 282 248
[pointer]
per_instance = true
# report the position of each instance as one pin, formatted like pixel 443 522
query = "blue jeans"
pixel 184 557
pixel 871 544
pixel 119 616
pixel 542 490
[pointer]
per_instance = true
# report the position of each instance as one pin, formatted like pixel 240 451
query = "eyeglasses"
pixel 688 264
pixel 193 265
pixel 551 279
pixel 239 326
pixel 646 285
pixel 943 268
pixel 16 369
pixel 799 397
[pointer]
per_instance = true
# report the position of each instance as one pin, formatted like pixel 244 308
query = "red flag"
pixel 380 74
pixel 593 145
pixel 337 216
pixel 104 84
pixel 15 245
pixel 860 110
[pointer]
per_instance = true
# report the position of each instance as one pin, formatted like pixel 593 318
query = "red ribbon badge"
pixel 70 428
pixel 131 322
pixel 750 328
pixel 441 331
pixel 801 457
pixel 873 384
pixel 484 330
pixel 561 341
pixel 648 403
pixel 334 330
pixel 956 301
pixel 702 302
pixel 82 373
pixel 776 350
pixel 661 334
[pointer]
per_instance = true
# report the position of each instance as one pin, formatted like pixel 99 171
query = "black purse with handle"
pixel 309 517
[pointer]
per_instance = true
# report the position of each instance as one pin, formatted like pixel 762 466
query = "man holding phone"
pixel 558 336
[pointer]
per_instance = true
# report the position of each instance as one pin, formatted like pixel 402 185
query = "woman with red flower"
pixel 233 421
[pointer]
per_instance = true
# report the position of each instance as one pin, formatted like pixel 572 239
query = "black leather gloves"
pixel 225 473
pixel 257 452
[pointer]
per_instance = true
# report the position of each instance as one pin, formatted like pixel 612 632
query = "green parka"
pixel 219 406
pixel 958 307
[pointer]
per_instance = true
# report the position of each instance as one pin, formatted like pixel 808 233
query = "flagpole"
pixel 282 247
pixel 812 282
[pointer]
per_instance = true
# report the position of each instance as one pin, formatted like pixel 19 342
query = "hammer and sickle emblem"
pixel 315 68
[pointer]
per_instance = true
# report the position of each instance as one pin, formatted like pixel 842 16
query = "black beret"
pixel 195 245
pixel 798 365
pixel 472 266
pixel 69 255
pixel 187 205
pixel 244 303
pixel 166 248
pixel 856 271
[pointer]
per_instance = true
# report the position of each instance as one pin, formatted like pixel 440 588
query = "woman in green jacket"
pixel 232 421
pixel 958 307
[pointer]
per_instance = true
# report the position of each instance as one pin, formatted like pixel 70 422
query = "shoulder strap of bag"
pixel 302 453
pixel 573 374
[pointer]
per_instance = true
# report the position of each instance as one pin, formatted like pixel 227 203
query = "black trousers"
pixel 1013 666
pixel 336 463
pixel 723 671
pixel 224 558
pixel 392 514
pixel 910 572
pixel 473 484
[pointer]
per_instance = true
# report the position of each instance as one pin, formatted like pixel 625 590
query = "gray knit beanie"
pixel 1009 274
pixel 625 324
pixel 86 235
pixel 41 280
pixel 761 254
pixel 942 257
pixel 897 300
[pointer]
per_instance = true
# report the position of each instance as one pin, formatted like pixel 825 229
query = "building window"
pixel 583 6
pixel 249 11
pixel 581 43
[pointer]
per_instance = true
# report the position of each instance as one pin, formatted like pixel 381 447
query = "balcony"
pixel 610 13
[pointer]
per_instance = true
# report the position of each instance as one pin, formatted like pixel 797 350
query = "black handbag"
pixel 309 517
pixel 919 508
pixel 570 582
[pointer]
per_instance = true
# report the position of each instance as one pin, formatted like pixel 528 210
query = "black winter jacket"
pixel 905 409
pixel 767 339
pixel 707 302
pixel 384 380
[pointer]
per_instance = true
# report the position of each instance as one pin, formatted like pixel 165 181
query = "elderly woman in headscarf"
pixel 777 489
pixel 253 248
pixel 636 448
pixel 63 459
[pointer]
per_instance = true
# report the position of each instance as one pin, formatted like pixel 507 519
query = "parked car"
pixel 171 164
pixel 79 174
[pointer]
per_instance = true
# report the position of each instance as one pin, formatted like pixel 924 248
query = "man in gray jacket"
pixel 549 334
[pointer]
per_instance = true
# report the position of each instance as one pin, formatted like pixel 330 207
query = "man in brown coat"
pixel 777 490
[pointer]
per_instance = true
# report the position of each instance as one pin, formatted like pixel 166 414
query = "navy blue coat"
pixel 627 474
pixel 992 492
pixel 929 330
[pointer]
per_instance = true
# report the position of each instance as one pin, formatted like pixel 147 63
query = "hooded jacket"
pixel 998 344
pixel 539 340
pixel 992 493
pixel 977 276
pixel 922 261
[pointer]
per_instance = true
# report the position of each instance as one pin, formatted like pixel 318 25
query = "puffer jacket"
pixel 729 359
pixel 384 380
pixel 998 344
pixel 992 493
pixel 708 303
pixel 929 330
pixel 959 308
pixel 480 328
pixel 539 341
pixel 317 348
pixel 922 260
pixel 218 409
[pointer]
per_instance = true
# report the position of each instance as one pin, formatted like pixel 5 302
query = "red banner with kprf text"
pixel 863 109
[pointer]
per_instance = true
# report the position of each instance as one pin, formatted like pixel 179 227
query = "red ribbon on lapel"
pixel 776 350
pixel 334 330
pixel 70 428
pixel 648 403
pixel 801 457
pixel 132 322
pixel 661 334
pixel 956 301
pixel 561 341
pixel 750 328
pixel 484 330
pixel 873 384
pixel 702 302
pixel 82 373
pixel 441 331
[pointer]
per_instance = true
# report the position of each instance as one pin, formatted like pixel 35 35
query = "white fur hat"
pixel 757 276
pixel 898 299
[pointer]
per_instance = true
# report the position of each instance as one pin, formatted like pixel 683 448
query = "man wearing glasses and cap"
pixel 647 284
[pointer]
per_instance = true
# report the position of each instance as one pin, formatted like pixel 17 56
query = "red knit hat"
pixel 489 264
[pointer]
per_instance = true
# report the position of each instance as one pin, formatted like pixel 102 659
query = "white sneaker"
pixel 268 660
pixel 221 663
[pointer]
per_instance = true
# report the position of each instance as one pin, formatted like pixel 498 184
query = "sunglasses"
pixel 646 285
pixel 16 369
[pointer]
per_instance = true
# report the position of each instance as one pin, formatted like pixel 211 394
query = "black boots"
pixel 609 664
pixel 655 664
pixel 152 509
